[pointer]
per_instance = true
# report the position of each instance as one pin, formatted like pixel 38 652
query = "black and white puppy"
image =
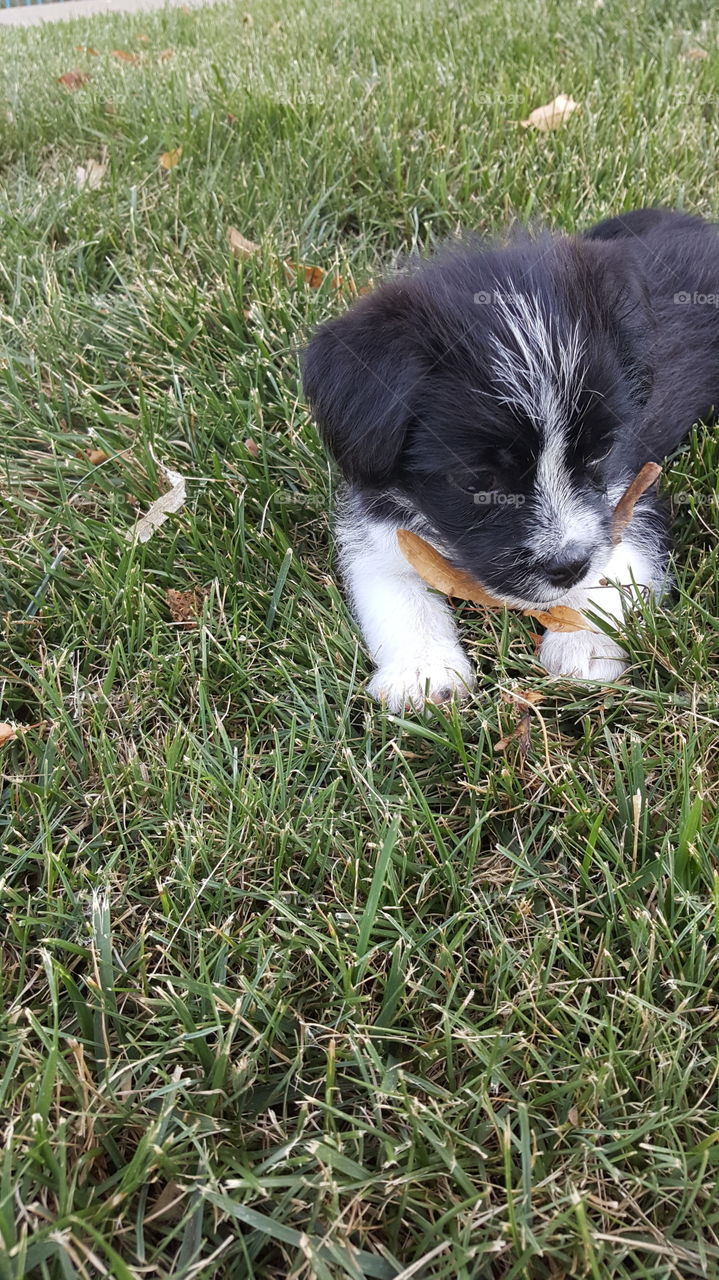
pixel 498 401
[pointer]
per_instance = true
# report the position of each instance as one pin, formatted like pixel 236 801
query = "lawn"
pixel 292 987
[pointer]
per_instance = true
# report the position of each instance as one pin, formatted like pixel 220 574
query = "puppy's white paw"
pixel 434 677
pixel 585 655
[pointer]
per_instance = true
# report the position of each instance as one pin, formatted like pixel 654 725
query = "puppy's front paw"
pixel 584 655
pixel 413 682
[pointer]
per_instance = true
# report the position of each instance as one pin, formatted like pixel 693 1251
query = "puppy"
pixel 497 401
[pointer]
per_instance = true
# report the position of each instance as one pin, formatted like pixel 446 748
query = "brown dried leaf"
pixel 7 732
pixel 185 606
pixel 313 276
pixel 240 246
pixel 522 735
pixel 559 618
pixel 440 574
pixel 165 54
pixel 552 115
pixel 252 447
pixel 123 56
pixel 169 159
pixel 73 79
pixel 83 48
pixel 96 456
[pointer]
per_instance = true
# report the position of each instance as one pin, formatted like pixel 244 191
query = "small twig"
pixel 624 509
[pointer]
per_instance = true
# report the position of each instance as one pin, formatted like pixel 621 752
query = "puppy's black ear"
pixel 361 377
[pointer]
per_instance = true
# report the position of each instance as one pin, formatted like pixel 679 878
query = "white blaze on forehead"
pixel 542 374
pixel 538 372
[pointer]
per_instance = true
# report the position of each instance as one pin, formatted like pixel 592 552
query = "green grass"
pixel 292 987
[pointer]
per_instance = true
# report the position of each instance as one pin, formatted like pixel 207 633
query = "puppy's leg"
pixel 639 564
pixel 410 631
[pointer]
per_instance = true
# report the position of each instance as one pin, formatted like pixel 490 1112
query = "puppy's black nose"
pixel 568 566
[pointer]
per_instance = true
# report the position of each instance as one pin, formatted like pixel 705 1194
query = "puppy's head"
pixel 495 393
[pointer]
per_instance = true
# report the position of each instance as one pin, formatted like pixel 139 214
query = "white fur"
pixel 409 630
pixel 546 391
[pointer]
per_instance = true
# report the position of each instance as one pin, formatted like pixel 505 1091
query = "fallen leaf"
pixel 73 79
pixel 240 246
pixel 83 48
pixel 90 175
pixel 529 695
pixel 624 509
pixel 166 505
pixel 7 732
pixel 185 606
pixel 551 116
pixel 253 448
pixel 124 56
pixel 169 159
pixel 230 119
pixel 165 54
pixel 522 734
pixel 695 54
pixel 559 618
pixel 313 276
pixel 432 566
pixel 96 456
